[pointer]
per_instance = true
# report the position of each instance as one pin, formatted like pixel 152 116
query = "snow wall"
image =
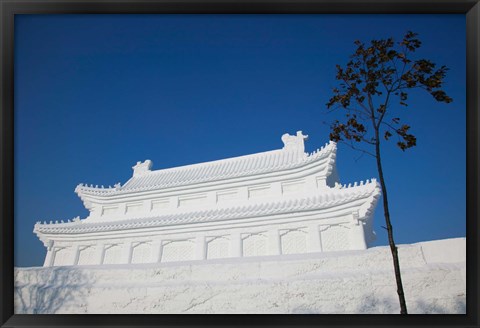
pixel 433 275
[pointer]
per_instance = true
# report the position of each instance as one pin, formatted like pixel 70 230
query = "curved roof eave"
pixel 225 169
pixel 369 191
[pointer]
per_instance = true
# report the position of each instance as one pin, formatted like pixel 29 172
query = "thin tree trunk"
pixel 393 247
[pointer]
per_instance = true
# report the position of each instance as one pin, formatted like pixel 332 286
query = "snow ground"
pixel 433 274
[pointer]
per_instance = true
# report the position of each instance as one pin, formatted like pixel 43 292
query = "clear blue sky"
pixel 94 94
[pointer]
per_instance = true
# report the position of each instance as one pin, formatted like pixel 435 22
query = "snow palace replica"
pixel 283 201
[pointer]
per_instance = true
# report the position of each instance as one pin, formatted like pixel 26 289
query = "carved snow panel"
pixel 86 256
pixel 218 247
pixel 180 250
pixel 134 208
pixel 192 201
pixel 109 210
pixel 258 192
pixel 142 253
pixel 113 254
pixel 293 187
pixel 255 245
pixel 63 256
pixel 227 196
pixel 335 238
pixel 294 242
pixel 160 204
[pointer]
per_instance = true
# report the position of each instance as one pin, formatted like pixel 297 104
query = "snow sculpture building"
pixel 277 202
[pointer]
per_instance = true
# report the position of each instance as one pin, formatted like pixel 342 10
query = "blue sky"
pixel 94 94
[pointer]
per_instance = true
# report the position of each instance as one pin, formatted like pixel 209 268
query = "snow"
pixel 336 282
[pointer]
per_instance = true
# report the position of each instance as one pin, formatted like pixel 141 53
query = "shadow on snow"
pixel 48 290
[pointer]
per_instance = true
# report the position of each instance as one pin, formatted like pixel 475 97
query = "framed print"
pixel 263 163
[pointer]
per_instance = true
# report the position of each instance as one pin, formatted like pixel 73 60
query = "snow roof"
pixel 367 194
pixel 290 157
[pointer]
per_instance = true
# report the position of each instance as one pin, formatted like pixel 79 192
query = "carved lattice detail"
pixel 142 253
pixel 218 247
pixel 255 245
pixel 86 256
pixel 294 242
pixel 335 238
pixel 113 254
pixel 63 257
pixel 180 250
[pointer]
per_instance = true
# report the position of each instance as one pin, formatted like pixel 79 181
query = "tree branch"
pixel 358 102
pixel 357 149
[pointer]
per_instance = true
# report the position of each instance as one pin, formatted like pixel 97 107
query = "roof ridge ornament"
pixel 291 156
pixel 141 169
pixel 295 142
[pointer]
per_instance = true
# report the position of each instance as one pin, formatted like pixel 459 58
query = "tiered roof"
pixel 292 158
pixel 224 169
pixel 367 194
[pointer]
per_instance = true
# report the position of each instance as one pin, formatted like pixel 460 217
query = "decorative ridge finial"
pixel 295 142
pixel 142 168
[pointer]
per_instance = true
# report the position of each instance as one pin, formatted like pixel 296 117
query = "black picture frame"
pixel 10 8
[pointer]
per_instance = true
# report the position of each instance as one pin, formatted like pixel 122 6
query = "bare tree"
pixel 373 84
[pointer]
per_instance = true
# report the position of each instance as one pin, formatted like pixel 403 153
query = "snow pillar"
pixel 274 245
pixel 127 253
pixel 157 251
pixel 76 254
pixel 200 248
pixel 357 233
pixel 100 253
pixel 236 244
pixel 49 258
pixel 314 244
pixel 50 255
